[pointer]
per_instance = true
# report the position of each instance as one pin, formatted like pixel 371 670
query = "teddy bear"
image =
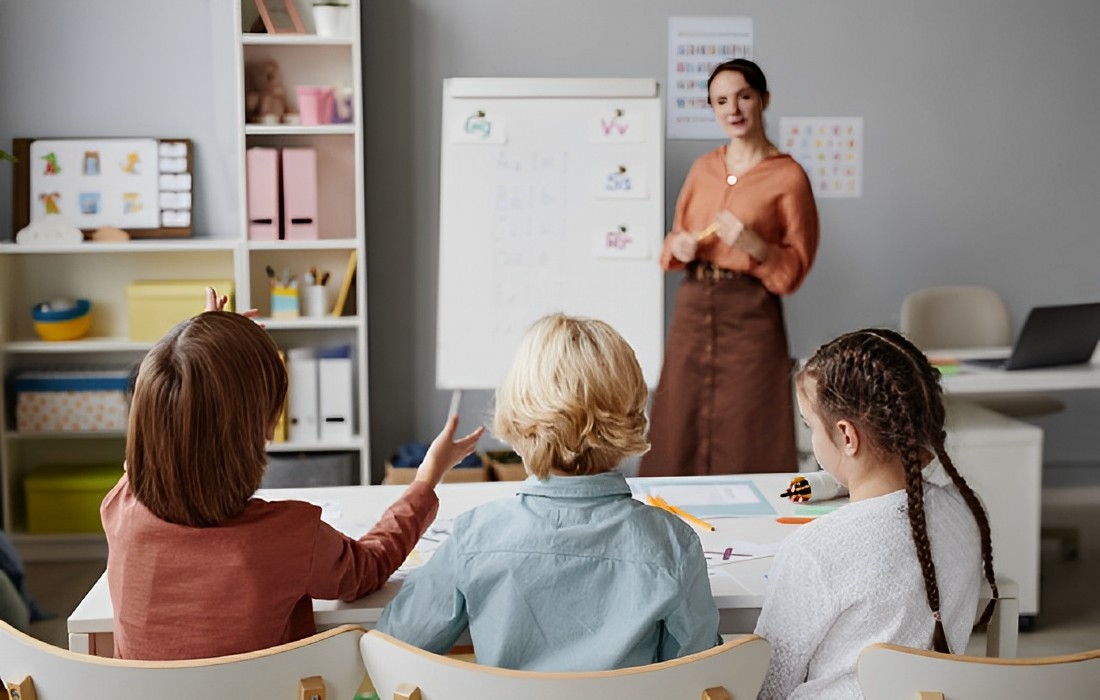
pixel 265 96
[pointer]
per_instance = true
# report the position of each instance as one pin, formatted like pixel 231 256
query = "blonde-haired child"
pixel 572 574
pixel 903 561
pixel 196 566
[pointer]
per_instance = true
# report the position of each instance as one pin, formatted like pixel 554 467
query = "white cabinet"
pixel 1001 459
pixel 101 271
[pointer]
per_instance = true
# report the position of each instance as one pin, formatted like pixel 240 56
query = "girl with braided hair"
pixel 902 562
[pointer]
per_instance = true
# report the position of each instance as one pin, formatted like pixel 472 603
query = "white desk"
pixel 970 381
pixel 738 596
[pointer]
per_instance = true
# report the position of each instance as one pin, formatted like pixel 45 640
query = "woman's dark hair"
pixel 883 384
pixel 751 72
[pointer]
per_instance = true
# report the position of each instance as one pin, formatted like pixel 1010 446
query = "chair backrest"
pixel 277 672
pixel 956 317
pixel 733 670
pixel 889 672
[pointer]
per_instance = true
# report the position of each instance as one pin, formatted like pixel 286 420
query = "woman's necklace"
pixel 737 168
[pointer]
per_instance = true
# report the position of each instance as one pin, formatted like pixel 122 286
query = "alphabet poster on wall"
pixel 695 46
pixel 829 149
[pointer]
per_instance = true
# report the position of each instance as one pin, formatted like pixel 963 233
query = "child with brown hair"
pixel 197 567
pixel 902 562
pixel 572 574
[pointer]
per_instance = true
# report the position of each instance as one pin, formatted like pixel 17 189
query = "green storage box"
pixel 66 497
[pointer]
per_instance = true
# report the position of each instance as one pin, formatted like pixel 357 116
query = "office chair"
pixel 324 665
pixel 890 672
pixel 403 672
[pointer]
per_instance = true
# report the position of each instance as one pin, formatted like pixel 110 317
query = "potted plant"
pixel 4 155
pixel 332 18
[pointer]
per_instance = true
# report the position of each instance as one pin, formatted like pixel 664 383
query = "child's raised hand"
pixel 214 302
pixel 445 452
pixel 217 303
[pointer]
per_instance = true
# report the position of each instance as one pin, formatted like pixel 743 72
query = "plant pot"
pixel 332 20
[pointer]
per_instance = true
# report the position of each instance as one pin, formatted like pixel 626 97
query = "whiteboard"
pixel 551 199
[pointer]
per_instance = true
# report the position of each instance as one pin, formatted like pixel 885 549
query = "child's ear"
pixel 849 437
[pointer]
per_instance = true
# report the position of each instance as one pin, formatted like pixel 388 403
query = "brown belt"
pixel 709 271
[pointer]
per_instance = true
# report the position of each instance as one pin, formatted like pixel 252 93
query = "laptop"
pixel 1052 336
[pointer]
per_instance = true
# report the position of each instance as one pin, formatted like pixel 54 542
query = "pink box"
pixel 300 194
pixel 262 167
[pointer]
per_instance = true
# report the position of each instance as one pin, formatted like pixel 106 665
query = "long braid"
pixel 906 441
pixel 914 490
pixel 884 384
pixel 980 516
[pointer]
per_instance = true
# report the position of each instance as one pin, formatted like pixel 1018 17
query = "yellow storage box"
pixel 66 497
pixel 154 306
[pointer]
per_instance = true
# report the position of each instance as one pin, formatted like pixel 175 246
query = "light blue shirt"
pixel 572 574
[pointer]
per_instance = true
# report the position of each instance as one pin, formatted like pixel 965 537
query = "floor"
pixel 1069 620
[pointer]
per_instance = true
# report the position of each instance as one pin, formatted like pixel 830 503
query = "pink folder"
pixel 262 166
pixel 300 194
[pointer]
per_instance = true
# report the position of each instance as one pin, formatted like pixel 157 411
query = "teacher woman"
pixel 746 233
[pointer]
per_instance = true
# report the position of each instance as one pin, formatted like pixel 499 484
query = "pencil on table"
pixel 665 505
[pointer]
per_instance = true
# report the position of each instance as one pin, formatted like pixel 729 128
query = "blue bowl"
pixel 63 324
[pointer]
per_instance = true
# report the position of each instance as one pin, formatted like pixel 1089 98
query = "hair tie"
pixel 936 616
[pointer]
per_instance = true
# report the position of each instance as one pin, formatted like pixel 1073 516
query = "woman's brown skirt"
pixel 723 404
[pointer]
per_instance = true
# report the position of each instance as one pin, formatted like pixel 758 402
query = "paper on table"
pixel 708 497
pixel 742 551
pixel 727 494
pixel 436 534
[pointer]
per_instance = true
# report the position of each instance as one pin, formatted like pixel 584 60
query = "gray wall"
pixel 981 161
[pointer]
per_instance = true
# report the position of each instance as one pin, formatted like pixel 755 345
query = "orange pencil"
pixel 661 503
pixel 787 520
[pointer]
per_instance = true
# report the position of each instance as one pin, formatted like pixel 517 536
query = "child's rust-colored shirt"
pixel 183 592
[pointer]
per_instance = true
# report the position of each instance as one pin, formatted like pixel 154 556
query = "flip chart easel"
pixel 551 199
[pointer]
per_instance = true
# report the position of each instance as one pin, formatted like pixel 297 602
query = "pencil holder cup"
pixel 284 302
pixel 316 304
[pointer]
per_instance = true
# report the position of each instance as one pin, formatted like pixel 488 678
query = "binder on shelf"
pixel 345 300
pixel 262 171
pixel 300 194
pixel 334 382
pixel 280 434
pixel 302 395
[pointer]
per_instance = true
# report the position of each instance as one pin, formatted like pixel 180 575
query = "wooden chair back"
pixel 403 672
pixel 890 672
pixel 326 666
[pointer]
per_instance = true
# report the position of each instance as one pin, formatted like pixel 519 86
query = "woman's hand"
pixel 683 246
pixel 734 234
pixel 445 452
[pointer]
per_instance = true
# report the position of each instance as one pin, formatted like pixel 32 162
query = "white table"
pixel 971 381
pixel 738 596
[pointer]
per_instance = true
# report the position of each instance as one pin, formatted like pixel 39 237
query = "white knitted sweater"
pixel 851 578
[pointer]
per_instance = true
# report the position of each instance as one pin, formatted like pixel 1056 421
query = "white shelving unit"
pixel 101 271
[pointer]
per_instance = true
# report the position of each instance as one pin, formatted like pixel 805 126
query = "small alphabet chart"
pixel 829 149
